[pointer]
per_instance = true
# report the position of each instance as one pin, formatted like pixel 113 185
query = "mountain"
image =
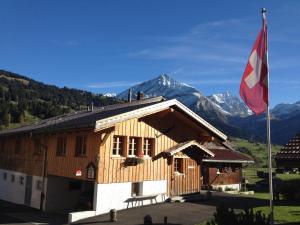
pixel 225 111
pixel 169 88
pixel 230 104
pixel 22 98
pixel 285 110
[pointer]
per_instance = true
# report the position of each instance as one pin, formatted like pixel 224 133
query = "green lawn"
pixel 255 149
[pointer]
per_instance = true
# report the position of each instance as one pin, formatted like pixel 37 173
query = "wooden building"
pixel 108 155
pixel 224 170
pixel 289 156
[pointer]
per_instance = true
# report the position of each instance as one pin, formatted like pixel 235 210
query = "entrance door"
pixel 186 179
pixel 28 190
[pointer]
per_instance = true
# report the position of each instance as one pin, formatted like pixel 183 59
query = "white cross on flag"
pixel 254 84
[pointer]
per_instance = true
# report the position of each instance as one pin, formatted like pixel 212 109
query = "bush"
pixel 226 216
pixel 289 189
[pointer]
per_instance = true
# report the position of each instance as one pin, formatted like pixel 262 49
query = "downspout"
pixel 43 175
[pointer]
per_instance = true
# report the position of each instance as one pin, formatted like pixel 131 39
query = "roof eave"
pixel 148 110
pixel 227 161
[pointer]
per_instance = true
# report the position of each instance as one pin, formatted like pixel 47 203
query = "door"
pixel 186 179
pixel 28 190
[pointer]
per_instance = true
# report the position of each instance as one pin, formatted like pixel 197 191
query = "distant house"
pixel 105 157
pixel 224 170
pixel 289 155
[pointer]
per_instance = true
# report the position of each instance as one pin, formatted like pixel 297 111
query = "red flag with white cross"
pixel 254 84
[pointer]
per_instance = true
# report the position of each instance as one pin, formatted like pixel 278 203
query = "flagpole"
pixel 263 11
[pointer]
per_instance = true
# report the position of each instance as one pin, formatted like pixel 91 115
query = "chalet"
pixel 108 156
pixel 289 155
pixel 224 170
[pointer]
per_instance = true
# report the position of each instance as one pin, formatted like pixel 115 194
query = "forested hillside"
pixel 23 99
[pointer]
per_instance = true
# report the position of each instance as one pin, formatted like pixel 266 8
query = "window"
pixel 133 146
pixel 137 189
pixel 80 148
pixel 148 147
pixel 4 176
pixel 61 146
pixel 12 178
pixel 21 180
pixel 18 145
pixel 178 165
pixel 91 171
pixel 118 146
pixel 37 148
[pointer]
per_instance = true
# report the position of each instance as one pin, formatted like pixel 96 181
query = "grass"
pixel 285 212
pixel 282 213
pixel 28 119
pixel 257 150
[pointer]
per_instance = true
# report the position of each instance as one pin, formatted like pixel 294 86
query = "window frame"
pixel 136 189
pixel 18 144
pixel 178 167
pixel 61 150
pixel 82 150
pixel 37 147
pixel 151 149
pixel 133 152
pixel 119 149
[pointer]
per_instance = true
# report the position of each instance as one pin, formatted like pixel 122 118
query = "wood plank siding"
pixel 112 169
pixel 166 129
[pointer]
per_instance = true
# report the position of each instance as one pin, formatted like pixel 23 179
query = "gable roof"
pixel 108 116
pixel 179 147
pixel 151 109
pixel 81 119
pixel 228 156
pixel 291 150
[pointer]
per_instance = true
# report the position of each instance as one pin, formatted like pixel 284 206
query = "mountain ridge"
pixel 225 111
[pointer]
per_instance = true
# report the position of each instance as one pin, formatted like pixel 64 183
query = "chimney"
pixel 129 95
pixel 140 95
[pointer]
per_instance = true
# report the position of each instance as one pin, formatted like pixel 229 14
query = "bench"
pixel 141 198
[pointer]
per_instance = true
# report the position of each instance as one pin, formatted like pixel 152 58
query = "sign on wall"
pixel 78 173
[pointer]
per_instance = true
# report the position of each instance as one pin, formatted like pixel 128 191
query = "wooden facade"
pixel 150 144
pixel 110 169
pixel 221 174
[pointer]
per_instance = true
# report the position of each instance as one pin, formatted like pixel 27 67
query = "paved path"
pixel 177 213
pixel 188 213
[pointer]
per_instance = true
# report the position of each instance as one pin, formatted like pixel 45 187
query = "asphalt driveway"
pixel 177 213
pixel 187 213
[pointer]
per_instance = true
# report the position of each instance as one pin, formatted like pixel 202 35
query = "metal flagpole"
pixel 263 11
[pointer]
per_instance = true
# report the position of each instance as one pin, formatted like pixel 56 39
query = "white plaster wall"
pixel 15 192
pixel 114 195
pixel 224 186
pixel 75 216
pixel 155 187
pixel 111 196
pixel 36 194
pixel 12 191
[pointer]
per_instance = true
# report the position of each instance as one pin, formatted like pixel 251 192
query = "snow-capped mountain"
pixel 225 111
pixel 110 95
pixel 231 104
pixel 224 104
pixel 285 109
pixel 164 85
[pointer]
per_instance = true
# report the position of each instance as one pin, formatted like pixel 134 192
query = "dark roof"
pixel 227 155
pixel 81 119
pixel 291 150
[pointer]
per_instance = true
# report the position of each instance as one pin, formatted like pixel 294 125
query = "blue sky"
pixel 107 46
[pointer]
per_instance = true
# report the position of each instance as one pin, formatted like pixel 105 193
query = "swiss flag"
pixel 254 84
